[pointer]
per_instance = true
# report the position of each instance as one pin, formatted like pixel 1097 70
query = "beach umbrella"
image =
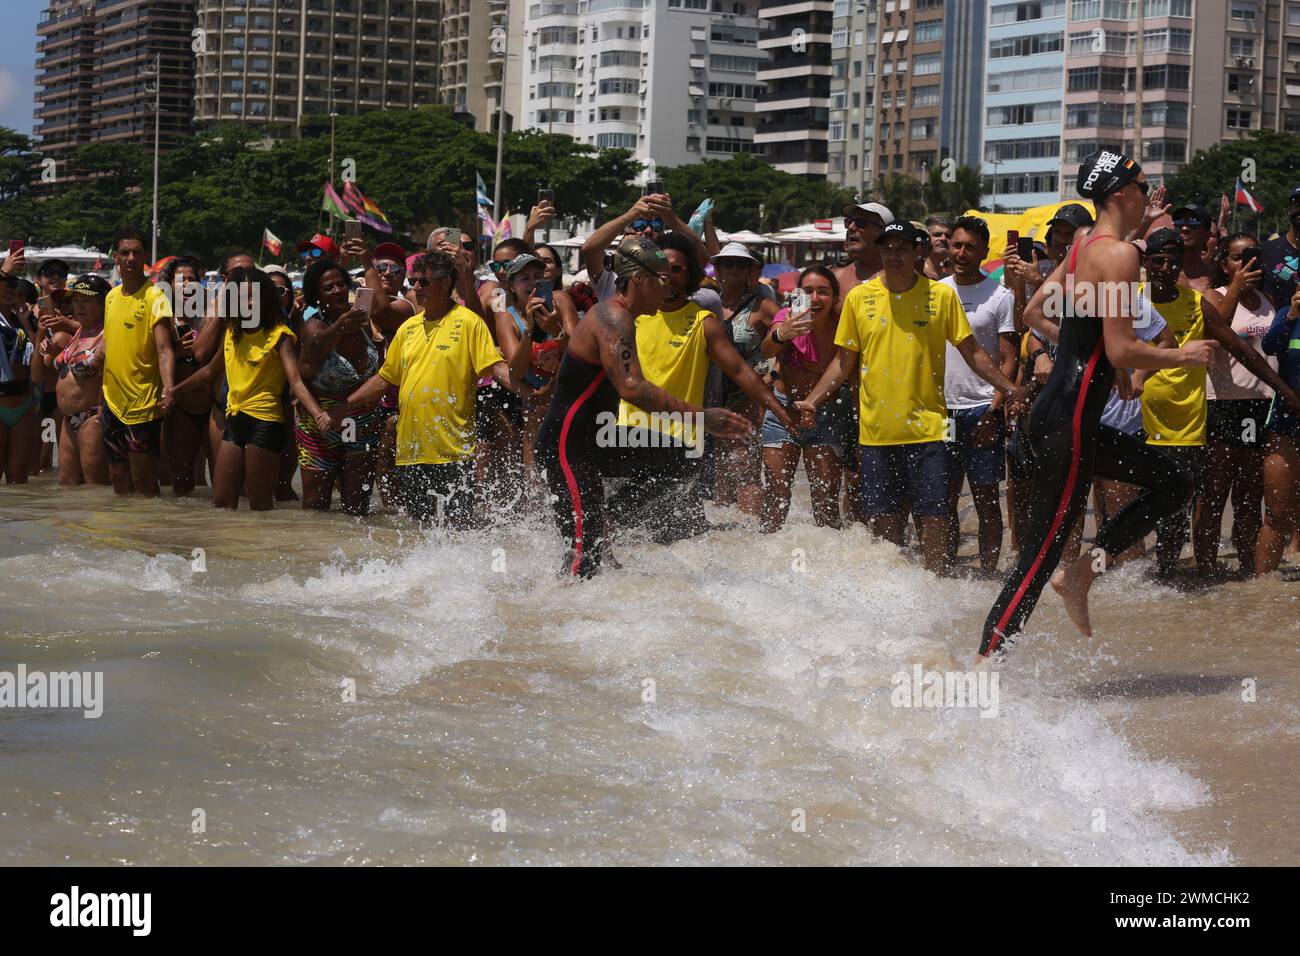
pixel 774 269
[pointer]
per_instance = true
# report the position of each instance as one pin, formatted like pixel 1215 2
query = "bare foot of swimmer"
pixel 1073 582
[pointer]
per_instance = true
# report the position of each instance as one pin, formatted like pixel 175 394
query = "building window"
pixel 928 64
pixel 925 96
pixel 1239 119
pixel 931 31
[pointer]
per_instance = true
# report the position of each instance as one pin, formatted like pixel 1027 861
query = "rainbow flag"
pixel 365 210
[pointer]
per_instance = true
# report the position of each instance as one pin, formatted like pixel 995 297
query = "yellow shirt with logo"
pixel 901 338
pixel 132 379
pixel 1173 399
pixel 674 356
pixel 255 373
pixel 435 364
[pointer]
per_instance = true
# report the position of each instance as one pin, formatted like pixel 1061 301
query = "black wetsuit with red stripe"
pixel 1071 447
pixel 568 451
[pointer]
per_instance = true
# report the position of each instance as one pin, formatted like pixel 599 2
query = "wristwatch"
pixel 776 337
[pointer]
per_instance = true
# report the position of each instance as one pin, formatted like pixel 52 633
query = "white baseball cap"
pixel 734 250
pixel 873 208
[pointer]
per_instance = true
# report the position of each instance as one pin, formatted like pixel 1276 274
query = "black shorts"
pixel 244 430
pixel 492 404
pixel 426 490
pixel 1238 422
pixel 122 440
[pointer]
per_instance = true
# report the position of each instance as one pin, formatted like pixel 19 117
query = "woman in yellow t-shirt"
pixel 259 358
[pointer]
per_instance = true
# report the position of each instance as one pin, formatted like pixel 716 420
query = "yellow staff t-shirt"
pixel 255 373
pixel 901 338
pixel 1173 399
pixel 132 380
pixel 435 364
pixel 674 356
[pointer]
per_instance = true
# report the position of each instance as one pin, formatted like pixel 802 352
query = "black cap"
pixel 53 267
pixel 1164 239
pixel 900 229
pixel 1072 214
pixel 90 284
pixel 1295 194
pixel 1105 172
pixel 1199 213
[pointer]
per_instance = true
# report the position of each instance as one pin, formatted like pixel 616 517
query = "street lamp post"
pixel 155 70
pixel 996 164
pixel 501 102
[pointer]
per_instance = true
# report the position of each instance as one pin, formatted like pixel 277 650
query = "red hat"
pixel 389 250
pixel 322 242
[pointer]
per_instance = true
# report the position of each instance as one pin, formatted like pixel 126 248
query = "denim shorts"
pixel 890 476
pixel 981 466
pixel 832 424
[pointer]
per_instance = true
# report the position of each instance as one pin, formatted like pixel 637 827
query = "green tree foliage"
pixel 1273 159
pixel 218 190
pixel 952 198
pixel 902 195
pixel 738 186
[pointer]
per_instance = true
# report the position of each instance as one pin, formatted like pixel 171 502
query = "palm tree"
pixel 902 194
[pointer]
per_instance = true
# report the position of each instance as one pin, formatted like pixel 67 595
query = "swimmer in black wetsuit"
pixel 599 368
pixel 1070 445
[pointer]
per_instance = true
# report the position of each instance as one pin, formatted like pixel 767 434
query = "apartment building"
pixel 1101 81
pixel 1247 70
pixel 794 106
pixel 674 81
pixel 851 129
pixel 1023 109
pixel 482 49
pixel 95 72
pixel 276 61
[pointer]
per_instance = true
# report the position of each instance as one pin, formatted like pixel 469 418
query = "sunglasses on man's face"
pixel 641 225
pixel 861 222
pixel 1189 224
pixel 1164 261
pixel 421 280
pixel 315 252
pixel 383 268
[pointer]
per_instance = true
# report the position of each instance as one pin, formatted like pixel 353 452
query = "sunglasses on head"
pixel 641 225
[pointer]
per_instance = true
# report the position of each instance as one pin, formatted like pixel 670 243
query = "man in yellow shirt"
pixel 896 326
pixel 138 371
pixel 435 363
pixel 1174 399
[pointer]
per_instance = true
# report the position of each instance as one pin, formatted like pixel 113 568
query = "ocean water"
pixel 727 700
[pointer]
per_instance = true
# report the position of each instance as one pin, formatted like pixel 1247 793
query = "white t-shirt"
pixel 990 310
pixel 1126 416
pixel 1227 377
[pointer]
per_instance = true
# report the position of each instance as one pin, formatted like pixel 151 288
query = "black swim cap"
pixel 1104 172
pixel 1163 239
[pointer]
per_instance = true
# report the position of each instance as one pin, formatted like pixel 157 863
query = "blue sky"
pixel 18 62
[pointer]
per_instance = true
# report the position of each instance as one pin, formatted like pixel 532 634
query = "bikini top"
pixel 79 361
pixel 337 374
